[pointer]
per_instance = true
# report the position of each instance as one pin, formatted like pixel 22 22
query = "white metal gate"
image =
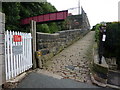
pixel 18 54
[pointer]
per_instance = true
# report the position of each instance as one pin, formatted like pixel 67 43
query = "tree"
pixel 11 10
pixel 15 11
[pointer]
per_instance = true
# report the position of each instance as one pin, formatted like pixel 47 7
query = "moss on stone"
pixel 100 69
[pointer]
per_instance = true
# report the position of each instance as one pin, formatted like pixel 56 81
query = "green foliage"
pixel 0 6
pixel 53 27
pixel 93 29
pixel 43 28
pixel 47 7
pixel 64 25
pixel 12 15
pixel 15 11
pixel 96 28
pixel 112 43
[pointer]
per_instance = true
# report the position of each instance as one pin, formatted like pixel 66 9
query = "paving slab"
pixel 114 78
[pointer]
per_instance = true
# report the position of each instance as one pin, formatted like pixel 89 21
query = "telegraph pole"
pixel 79 7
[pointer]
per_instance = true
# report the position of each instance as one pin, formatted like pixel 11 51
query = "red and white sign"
pixel 17 38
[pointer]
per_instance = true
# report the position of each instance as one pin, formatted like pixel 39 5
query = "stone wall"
pixel 78 21
pixel 99 71
pixel 49 45
pixel 2 48
pixel 74 21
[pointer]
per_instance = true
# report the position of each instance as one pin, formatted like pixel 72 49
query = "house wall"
pixel 2 48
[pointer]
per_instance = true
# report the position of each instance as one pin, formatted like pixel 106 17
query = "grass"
pixel 90 56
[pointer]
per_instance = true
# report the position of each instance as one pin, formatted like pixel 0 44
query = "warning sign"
pixel 17 38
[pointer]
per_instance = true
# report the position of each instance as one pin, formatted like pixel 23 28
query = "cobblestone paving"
pixel 72 62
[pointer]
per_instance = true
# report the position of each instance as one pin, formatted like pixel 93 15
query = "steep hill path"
pixel 74 61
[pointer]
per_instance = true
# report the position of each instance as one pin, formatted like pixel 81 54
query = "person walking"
pixel 102 37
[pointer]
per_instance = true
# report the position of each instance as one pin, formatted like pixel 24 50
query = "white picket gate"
pixel 18 55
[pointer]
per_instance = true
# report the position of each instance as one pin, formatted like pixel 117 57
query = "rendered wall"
pixel 2 48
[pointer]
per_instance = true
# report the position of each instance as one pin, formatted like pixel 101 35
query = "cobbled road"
pixel 73 62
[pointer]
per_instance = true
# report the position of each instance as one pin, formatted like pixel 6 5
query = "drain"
pixel 70 67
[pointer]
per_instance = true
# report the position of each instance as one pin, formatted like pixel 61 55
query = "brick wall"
pixel 2 54
pixel 49 45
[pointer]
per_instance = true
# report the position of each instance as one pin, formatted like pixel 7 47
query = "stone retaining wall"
pixel 99 71
pixel 49 45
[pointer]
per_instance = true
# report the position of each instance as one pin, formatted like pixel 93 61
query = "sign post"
pixel 33 33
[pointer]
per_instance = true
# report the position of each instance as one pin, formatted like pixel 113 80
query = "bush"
pixel 43 28
pixel 53 27
pixel 112 43
pixel 96 28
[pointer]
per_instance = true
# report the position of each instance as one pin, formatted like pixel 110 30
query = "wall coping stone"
pixel 57 33
pixel 47 33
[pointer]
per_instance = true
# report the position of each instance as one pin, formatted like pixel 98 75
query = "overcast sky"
pixel 97 10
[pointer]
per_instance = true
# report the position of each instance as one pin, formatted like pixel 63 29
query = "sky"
pixel 97 10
